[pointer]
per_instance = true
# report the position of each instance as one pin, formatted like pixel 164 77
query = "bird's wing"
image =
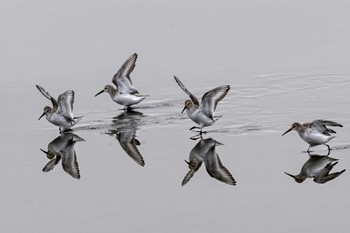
pixel 65 104
pixel 193 98
pixel 321 125
pixel 328 123
pixel 122 78
pixel 47 95
pixel 211 98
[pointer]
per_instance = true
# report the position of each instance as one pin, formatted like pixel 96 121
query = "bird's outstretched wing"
pixel 65 104
pixel 321 125
pixel 211 98
pixel 47 95
pixel 122 78
pixel 193 98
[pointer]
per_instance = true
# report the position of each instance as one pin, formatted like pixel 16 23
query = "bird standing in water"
pixel 124 93
pixel 315 133
pixel 61 112
pixel 203 113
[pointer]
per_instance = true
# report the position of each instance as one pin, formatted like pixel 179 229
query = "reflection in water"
pixel 204 151
pixel 124 130
pixel 317 167
pixel 62 147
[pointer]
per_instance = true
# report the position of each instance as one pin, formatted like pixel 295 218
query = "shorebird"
pixel 62 147
pixel 204 151
pixel 315 133
pixel 318 168
pixel 203 113
pixel 61 112
pixel 124 93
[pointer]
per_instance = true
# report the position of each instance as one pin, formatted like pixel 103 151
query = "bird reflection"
pixel 317 167
pixel 124 130
pixel 62 147
pixel 204 151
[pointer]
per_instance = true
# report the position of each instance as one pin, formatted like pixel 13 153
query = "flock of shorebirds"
pixel 202 113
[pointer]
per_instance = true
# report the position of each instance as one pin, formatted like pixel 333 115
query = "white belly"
pixel 200 118
pixel 314 138
pixel 60 121
pixel 127 99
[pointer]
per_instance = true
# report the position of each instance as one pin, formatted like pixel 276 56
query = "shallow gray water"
pixel 285 62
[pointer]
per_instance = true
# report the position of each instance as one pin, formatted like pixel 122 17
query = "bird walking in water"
pixel 315 133
pixel 203 113
pixel 124 93
pixel 61 112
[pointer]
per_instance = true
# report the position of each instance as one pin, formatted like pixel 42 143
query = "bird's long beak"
pixel 290 175
pixel 187 162
pixel 46 152
pixel 41 115
pixel 99 93
pixel 183 109
pixel 287 131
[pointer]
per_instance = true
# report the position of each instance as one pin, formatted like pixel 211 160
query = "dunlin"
pixel 61 112
pixel 203 113
pixel 124 93
pixel 315 133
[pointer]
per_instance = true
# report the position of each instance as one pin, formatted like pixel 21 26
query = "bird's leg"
pixel 199 131
pixel 329 149
pixel 199 135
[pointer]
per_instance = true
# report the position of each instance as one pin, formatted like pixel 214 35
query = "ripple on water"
pixel 264 104
pixel 272 100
